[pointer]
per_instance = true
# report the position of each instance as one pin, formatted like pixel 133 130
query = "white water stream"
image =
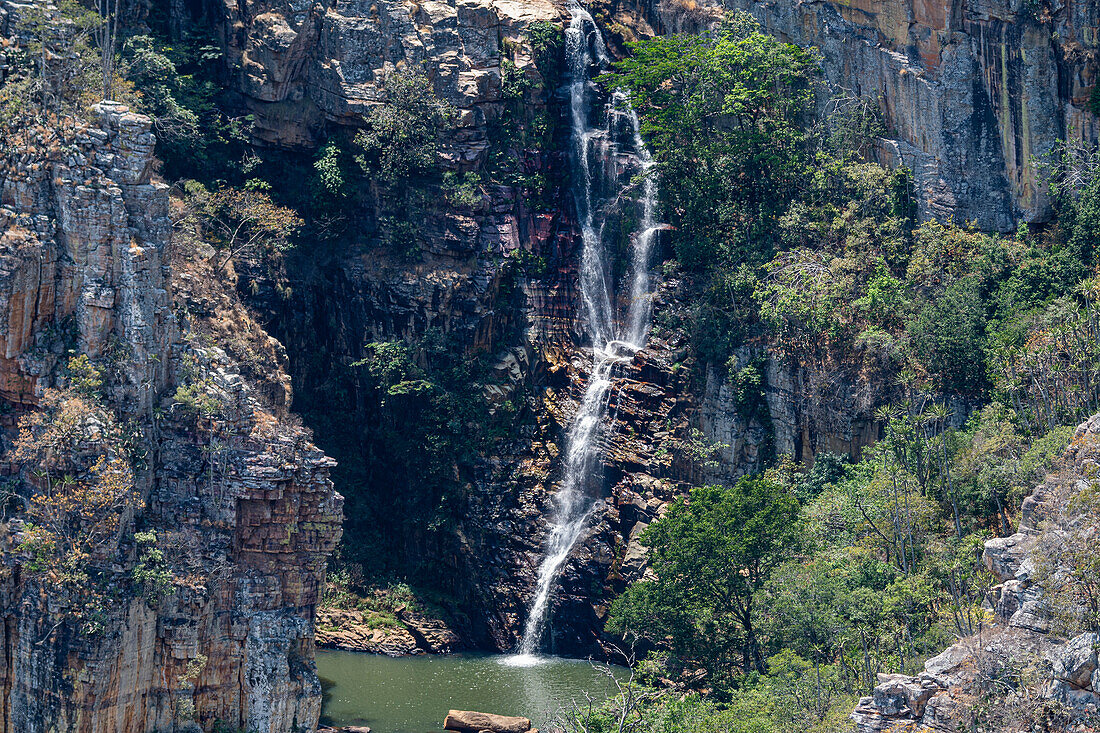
pixel 600 156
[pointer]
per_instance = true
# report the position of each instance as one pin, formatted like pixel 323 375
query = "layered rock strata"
pixel 304 66
pixel 974 94
pixel 240 501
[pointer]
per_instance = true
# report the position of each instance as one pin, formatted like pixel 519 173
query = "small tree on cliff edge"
pixel 237 221
pixel 711 554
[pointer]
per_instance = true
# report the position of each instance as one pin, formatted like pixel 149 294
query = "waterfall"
pixel 600 163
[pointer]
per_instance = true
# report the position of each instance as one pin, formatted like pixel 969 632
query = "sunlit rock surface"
pixel 974 93
pixel 245 500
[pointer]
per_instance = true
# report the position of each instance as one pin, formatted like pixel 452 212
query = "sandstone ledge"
pixel 355 631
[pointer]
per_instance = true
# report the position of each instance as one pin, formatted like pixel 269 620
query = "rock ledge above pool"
pixel 468 721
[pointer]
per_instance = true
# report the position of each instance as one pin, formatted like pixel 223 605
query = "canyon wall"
pixel 240 501
pixel 974 93
pixel 314 79
pixel 971 92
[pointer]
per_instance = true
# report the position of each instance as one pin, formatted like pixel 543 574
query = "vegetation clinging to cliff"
pixel 78 496
pixel 723 115
pixel 786 234
pixel 836 277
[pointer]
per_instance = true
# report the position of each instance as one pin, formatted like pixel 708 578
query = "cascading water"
pixel 614 340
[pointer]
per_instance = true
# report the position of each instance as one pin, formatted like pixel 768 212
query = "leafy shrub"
pixel 547 42
pixel 464 192
pixel 329 172
pixel 152 573
pixel 197 399
pixel 84 377
pixel 949 336
pixel 401 137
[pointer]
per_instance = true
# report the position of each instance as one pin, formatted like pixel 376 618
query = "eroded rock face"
pixel 244 501
pixel 305 65
pixel 972 92
pixel 82 231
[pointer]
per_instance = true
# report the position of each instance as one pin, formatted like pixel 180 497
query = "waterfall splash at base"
pixel 606 161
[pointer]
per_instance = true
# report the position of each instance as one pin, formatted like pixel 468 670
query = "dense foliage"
pixel 791 590
pixel 722 114
pixel 786 233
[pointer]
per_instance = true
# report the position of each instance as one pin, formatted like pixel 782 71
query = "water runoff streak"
pixel 605 159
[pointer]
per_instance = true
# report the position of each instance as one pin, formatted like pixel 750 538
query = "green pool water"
pixel 413 694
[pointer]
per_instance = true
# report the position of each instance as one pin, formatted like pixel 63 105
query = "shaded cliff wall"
pixel 311 75
pixel 242 502
pixel 972 91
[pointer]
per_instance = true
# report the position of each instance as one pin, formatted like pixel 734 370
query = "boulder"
pixel 1003 555
pixel 469 721
pixel 634 561
pixel 901 695
pixel 1076 661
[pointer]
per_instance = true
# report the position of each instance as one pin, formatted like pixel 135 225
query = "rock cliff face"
pixel 307 73
pixel 302 66
pixel 973 92
pixel 241 501
pixel 463 281
pixel 1031 650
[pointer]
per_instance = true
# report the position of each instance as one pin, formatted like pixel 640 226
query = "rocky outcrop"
pixel 240 501
pixel 468 721
pixel 357 631
pixel 83 227
pixel 1028 629
pixel 973 93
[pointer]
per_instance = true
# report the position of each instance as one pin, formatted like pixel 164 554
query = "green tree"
pixel 949 337
pixel 402 135
pixel 724 118
pixel 161 85
pixel 547 41
pixel 711 554
pixel 180 87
